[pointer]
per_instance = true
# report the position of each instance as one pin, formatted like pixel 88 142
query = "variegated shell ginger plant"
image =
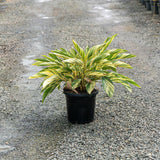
pixel 80 69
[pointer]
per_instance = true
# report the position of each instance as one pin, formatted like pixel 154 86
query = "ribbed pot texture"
pixel 80 107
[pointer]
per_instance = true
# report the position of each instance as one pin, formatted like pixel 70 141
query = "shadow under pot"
pixel 80 107
pixel 154 6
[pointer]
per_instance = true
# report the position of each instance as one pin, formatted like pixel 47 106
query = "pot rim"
pixel 72 94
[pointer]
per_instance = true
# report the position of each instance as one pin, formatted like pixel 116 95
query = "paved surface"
pixel 126 126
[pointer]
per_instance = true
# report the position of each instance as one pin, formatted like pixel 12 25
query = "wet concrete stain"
pixel 2 7
pixel 5 148
pixel 41 1
pixel 2 1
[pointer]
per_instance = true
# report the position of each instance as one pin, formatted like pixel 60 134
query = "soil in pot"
pixel 80 107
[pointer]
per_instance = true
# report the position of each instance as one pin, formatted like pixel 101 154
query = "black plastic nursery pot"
pixel 159 8
pixel 141 1
pixel 80 107
pixel 154 6
pixel 148 5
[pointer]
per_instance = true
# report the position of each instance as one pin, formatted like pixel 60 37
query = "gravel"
pixel 125 127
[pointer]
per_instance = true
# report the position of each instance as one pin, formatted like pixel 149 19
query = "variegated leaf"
pixel 108 86
pixel 61 54
pixel 76 83
pixel 107 42
pixel 80 50
pixel 114 52
pixel 96 73
pixel 49 80
pixel 73 60
pixel 124 56
pixel 122 64
pixel 90 86
pixel 40 63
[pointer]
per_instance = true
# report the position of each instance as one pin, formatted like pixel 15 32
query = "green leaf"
pixel 61 54
pixel 124 83
pixel 37 75
pixel 80 50
pixel 73 60
pixel 59 87
pixel 54 57
pixel 124 78
pixel 49 89
pixel 134 83
pixel 43 73
pixel 130 80
pixel 68 76
pixel 90 86
pixel 65 51
pixel 39 63
pixel 51 68
pixel 107 67
pixel 114 52
pixel 93 50
pixel 67 70
pixel 49 80
pixel 48 58
pixel 46 92
pixel 42 60
pixel 124 56
pixel 96 73
pixel 75 83
pixel 97 59
pixel 107 42
pixel 108 86
pixel 73 52
pixel 122 64
pixel 87 49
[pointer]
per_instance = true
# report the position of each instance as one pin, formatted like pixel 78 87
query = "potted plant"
pixel 80 69
pixel 154 6
pixel 148 5
pixel 143 2
pixel 159 7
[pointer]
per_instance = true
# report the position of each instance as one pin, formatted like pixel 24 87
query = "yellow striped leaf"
pixel 90 86
pixel 108 86
pixel 76 83
pixel 49 80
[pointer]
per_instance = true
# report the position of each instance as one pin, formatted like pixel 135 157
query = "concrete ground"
pixel 126 126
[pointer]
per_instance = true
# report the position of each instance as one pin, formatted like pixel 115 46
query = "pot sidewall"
pixel 80 107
